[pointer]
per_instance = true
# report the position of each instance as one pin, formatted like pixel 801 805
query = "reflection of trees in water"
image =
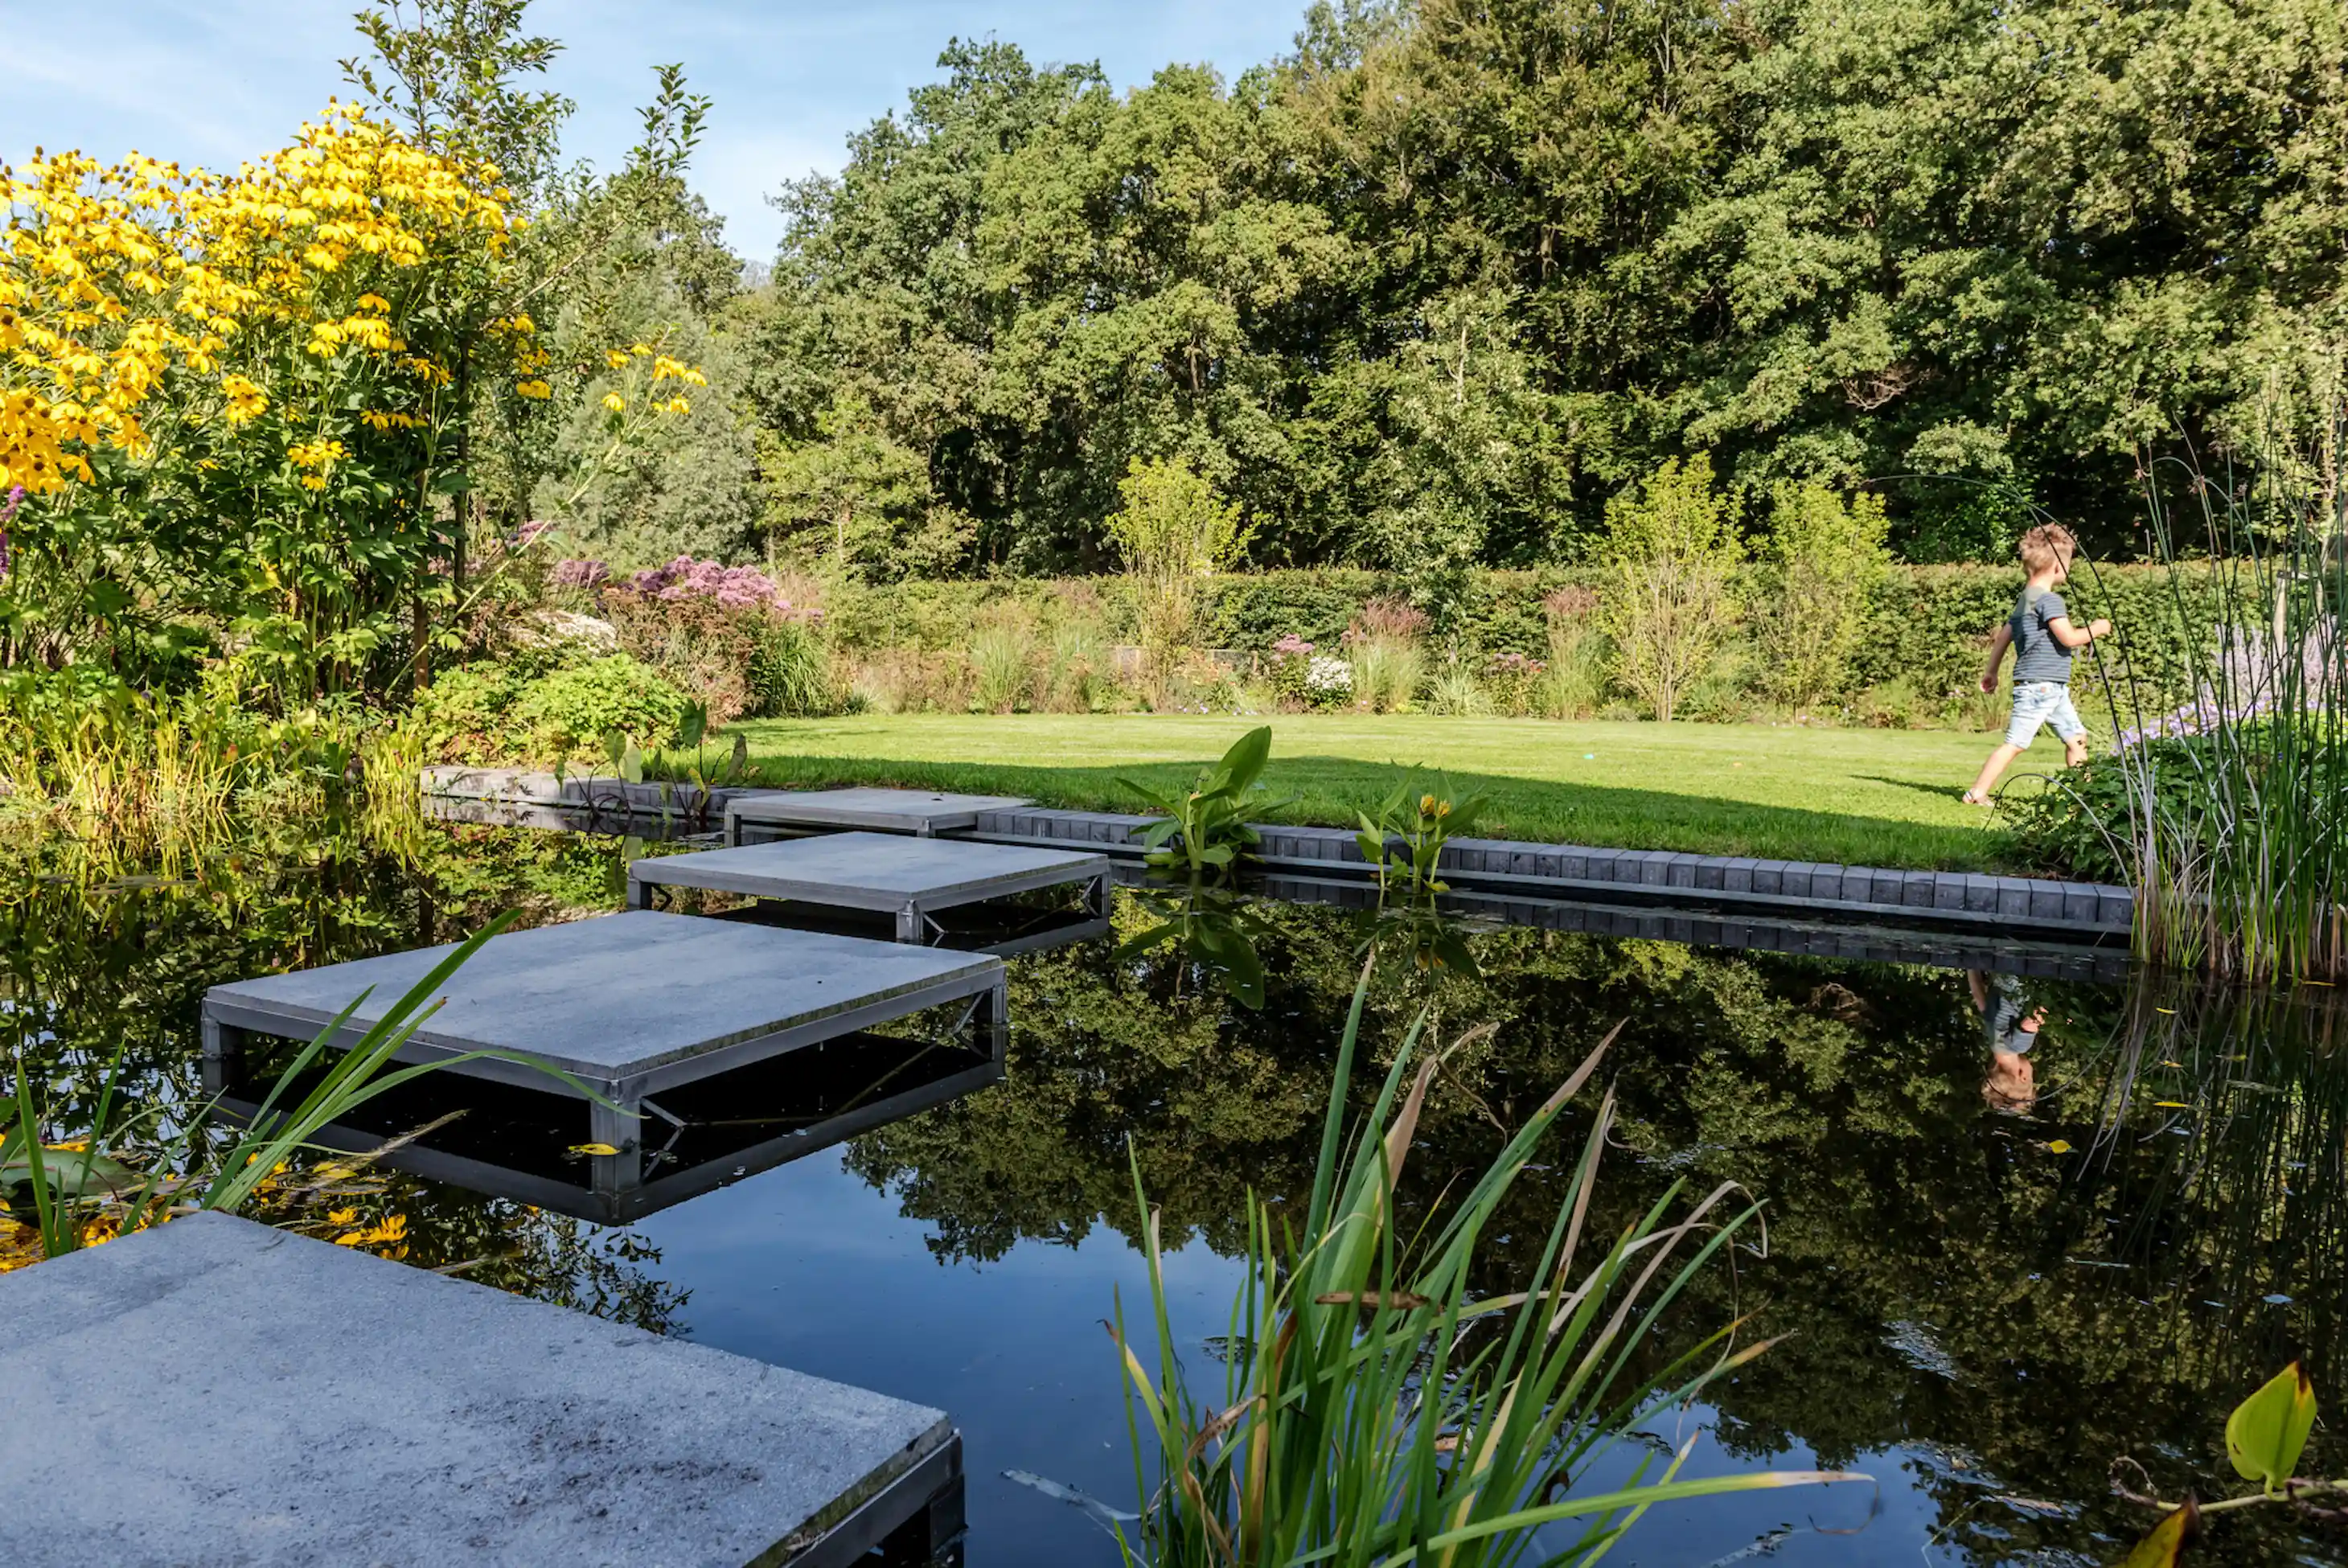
pixel 1934 1261
pixel 91 961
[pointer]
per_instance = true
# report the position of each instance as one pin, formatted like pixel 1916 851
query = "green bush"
pixel 463 715
pixel 567 713
pixel 790 673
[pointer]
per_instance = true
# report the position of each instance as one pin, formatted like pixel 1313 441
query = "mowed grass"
pixel 1853 797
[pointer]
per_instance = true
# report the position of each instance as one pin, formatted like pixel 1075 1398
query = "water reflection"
pixel 2001 1298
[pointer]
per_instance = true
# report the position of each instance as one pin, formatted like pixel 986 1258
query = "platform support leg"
pixel 640 894
pixel 223 1047
pixel 1097 893
pixel 992 1023
pixel 912 925
pixel 620 1128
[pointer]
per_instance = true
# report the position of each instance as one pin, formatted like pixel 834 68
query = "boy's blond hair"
pixel 2047 545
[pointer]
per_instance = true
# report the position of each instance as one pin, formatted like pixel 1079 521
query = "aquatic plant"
pixel 2237 842
pixel 80 1191
pixel 1204 831
pixel 1405 838
pixel 1378 1410
pixel 2264 1438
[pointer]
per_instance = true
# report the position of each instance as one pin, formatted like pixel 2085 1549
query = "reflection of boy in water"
pixel 2013 1030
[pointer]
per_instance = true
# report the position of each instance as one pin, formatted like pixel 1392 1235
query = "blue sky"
pixel 214 81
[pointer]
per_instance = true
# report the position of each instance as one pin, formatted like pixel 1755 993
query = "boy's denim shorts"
pixel 2043 702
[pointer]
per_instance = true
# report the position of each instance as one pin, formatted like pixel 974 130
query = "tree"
pixel 1826 555
pixel 1171 531
pixel 1668 560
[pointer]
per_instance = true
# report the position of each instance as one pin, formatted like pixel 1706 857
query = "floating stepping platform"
pixel 205 1392
pixel 629 1005
pixel 519 1143
pixel 910 878
pixel 922 813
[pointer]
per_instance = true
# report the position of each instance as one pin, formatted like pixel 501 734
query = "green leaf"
pixel 2266 1432
pixel 452 482
pixel 1246 759
pixel 632 763
pixel 2166 1544
pixel 71 1173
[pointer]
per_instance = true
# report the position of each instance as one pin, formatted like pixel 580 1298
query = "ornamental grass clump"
pixel 1377 1409
pixel 1383 647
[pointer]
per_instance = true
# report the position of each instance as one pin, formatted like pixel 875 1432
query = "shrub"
pixel 1514 683
pixel 463 715
pixel 724 634
pixel 1669 560
pixel 1826 558
pixel 1328 683
pixel 1080 680
pixel 1171 531
pixel 567 713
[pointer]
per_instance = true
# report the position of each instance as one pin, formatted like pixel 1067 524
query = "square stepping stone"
pixel 627 1004
pixel 206 1392
pixel 909 878
pixel 922 812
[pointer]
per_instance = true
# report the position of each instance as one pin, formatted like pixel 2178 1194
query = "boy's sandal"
pixel 1975 798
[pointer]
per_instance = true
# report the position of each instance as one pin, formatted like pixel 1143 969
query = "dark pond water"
pixel 1989 1290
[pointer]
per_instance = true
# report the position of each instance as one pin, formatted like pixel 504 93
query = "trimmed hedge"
pixel 1928 625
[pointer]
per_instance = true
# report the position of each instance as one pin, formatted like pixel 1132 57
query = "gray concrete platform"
pixel 629 1005
pixel 215 1392
pixel 909 878
pixel 922 812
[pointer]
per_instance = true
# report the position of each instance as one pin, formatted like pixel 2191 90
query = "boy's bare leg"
pixel 1991 770
pixel 2074 752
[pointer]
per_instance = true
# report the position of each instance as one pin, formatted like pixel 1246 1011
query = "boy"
pixel 2043 639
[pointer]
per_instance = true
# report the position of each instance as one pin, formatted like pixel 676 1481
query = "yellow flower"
pixel 615 360
pixel 614 402
pixel 677 405
pixel 538 389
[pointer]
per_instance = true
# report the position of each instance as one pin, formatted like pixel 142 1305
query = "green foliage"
pixel 570 710
pixel 1668 581
pixel 2266 1432
pixel 1826 556
pixel 1170 530
pixel 1204 831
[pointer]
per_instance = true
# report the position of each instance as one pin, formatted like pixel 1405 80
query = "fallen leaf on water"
pixel 2058 1147
pixel 2170 1105
pixel 2170 1011
pixel 593 1148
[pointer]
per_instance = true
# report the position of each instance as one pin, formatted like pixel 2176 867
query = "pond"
pixel 1988 1290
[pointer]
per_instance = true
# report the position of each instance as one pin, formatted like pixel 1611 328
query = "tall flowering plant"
pixel 237 402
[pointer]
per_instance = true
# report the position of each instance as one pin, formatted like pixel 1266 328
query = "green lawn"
pixel 1850 795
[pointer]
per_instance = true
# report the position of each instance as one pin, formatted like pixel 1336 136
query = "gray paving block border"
pixel 1964 899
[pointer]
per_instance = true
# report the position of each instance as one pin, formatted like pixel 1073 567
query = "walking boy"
pixel 2043 639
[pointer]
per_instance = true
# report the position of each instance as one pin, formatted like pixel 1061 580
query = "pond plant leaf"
pixel 2267 1431
pixel 2165 1547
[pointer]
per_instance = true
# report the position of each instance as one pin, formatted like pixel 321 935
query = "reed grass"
pixel 2237 835
pixel 1380 1410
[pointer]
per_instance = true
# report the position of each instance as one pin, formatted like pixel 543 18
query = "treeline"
pixel 1423 294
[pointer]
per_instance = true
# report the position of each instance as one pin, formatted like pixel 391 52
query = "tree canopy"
pixel 1429 290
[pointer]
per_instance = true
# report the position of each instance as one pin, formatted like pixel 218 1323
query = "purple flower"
pixel 578 573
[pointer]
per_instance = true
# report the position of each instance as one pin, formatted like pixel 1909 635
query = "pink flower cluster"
pixel 739 587
pixel 1513 665
pixel 576 574
pixel 1292 646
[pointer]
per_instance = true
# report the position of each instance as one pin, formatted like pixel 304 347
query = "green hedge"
pixel 1929 625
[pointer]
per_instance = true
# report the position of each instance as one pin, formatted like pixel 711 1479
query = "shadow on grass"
pixel 1331 792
